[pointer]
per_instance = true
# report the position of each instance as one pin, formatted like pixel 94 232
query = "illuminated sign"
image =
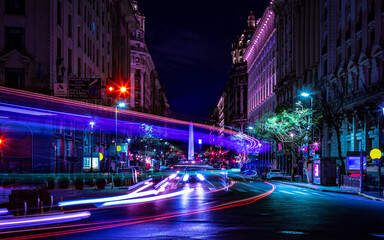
pixel 87 163
pixel 316 170
pixel 353 163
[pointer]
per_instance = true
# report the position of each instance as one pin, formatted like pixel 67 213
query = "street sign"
pixel 60 90
pixel 375 153
pixel 84 88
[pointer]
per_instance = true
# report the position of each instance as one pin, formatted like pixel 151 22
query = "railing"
pixel 350 183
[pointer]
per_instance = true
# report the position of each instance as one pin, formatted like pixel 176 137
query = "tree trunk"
pixel 293 166
pixel 342 168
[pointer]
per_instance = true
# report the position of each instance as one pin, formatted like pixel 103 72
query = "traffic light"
pixel 123 89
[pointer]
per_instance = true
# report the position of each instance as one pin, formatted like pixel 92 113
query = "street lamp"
pixel 304 94
pixel 119 105
pixel 92 124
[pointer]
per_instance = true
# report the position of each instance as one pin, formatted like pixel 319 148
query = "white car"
pixel 275 173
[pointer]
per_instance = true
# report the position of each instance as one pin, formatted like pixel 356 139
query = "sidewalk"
pixel 373 195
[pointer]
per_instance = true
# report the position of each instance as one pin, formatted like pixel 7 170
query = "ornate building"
pixel 261 67
pixel 352 54
pixel 298 44
pixel 232 107
pixel 147 92
pixel 49 42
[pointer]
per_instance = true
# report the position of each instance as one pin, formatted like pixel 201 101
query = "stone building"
pixel 147 92
pixel 261 67
pixel 232 106
pixel 49 42
pixel 352 37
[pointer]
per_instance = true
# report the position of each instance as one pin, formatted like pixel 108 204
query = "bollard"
pixel 38 204
pixel 112 182
pixel 51 203
pixel 25 208
pixel 42 207
pixel 61 208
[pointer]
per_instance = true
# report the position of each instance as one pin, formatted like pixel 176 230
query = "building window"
pixel 97 57
pixel 78 67
pixel 78 36
pixel 59 13
pixel 78 7
pixel 15 7
pixel 14 38
pixel 14 78
pixel 69 60
pixel 58 47
pixel 102 64
pixel 85 43
pixel 70 26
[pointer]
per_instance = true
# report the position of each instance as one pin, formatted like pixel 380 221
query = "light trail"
pixel 251 141
pixel 43 220
pixel 148 199
pixel 231 204
pixel 108 199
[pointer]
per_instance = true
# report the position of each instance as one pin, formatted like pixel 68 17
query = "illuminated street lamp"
pixel 92 124
pixel 119 105
pixel 123 89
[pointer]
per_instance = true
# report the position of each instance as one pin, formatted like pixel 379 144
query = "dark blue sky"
pixel 190 42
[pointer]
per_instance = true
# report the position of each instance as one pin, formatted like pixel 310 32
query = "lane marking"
pixel 301 193
pixel 285 192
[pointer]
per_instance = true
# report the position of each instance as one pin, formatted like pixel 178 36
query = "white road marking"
pixel 301 193
pixel 285 192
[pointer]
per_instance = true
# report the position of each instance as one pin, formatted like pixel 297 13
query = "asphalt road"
pixel 248 209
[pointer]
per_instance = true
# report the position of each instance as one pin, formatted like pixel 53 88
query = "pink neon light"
pixel 316 170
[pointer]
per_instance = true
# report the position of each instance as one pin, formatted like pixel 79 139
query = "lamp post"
pixel 92 124
pixel 304 94
pixel 119 105
pixel 128 157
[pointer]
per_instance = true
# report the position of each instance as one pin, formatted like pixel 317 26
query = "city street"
pixel 239 212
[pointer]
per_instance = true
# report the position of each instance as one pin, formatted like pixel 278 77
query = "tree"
pixel 290 127
pixel 332 99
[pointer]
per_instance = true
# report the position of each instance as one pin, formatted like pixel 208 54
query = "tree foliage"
pixel 290 127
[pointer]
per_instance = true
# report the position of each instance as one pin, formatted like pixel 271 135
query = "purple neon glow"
pixel 148 199
pixel 201 177
pixel 106 199
pixel 186 177
pixel 162 188
pixel 129 120
pixel 42 220
pixel 140 183
pixel 161 183
pixel 3 211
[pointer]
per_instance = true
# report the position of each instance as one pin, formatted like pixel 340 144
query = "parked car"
pixel 131 170
pixel 275 173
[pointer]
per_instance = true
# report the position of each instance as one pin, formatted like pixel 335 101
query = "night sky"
pixel 190 43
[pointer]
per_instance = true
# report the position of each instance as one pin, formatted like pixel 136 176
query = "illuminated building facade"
pixel 48 42
pixel 147 92
pixel 45 44
pixel 261 67
pixel 352 36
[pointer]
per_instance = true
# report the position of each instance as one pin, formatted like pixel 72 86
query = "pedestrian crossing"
pixel 301 192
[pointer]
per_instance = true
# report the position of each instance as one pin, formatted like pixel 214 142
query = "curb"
pixel 317 189
pixel 371 197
